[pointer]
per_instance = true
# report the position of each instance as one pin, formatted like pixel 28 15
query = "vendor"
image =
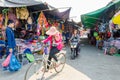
pixel 10 39
pixel 29 24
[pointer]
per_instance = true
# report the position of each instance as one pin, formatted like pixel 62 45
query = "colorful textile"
pixel 12 16
pixel 1 20
pixel 63 27
pixel 42 20
pixel 22 13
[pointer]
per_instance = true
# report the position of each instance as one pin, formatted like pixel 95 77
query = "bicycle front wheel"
pixel 62 59
pixel 34 71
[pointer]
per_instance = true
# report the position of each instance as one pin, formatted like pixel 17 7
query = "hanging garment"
pixel 1 20
pixel 22 13
pixel 116 19
pixel 12 16
pixel 63 27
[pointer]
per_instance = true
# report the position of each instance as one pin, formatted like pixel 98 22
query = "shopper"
pixel 10 39
pixel 55 38
pixel 75 38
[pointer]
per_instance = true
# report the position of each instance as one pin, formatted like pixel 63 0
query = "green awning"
pixel 90 20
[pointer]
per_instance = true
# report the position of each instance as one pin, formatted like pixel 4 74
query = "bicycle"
pixel 39 67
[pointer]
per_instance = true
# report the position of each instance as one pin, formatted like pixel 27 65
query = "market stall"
pixel 31 21
pixel 99 23
pixel 25 26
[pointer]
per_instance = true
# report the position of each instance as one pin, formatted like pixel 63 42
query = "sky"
pixel 79 7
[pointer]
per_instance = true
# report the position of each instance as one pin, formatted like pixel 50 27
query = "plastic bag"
pixel 7 61
pixel 30 57
pixel 14 64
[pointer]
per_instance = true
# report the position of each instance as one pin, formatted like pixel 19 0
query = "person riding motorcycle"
pixel 75 38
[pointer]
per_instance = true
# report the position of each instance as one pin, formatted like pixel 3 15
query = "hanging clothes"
pixel 12 16
pixel 1 20
pixel 42 22
pixel 63 27
pixel 22 13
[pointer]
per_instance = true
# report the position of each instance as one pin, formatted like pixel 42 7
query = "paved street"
pixel 92 64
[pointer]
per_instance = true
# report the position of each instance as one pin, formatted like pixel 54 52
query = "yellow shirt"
pixel 98 38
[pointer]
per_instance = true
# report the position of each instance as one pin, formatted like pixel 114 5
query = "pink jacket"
pixel 58 41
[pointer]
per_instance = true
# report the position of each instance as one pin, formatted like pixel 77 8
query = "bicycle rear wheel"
pixel 62 59
pixel 34 71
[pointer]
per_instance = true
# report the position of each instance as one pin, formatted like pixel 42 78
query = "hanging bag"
pixel 7 60
pixel 14 64
pixel 30 57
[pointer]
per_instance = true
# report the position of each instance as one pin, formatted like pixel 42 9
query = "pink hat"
pixel 52 31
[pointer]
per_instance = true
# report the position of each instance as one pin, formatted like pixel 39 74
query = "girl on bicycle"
pixel 55 38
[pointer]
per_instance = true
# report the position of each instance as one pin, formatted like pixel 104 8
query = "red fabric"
pixel 108 34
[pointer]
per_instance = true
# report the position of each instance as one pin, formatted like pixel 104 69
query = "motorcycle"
pixel 73 46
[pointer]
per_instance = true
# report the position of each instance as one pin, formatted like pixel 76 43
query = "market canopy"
pixel 59 15
pixel 89 19
pixel 65 14
pixel 19 3
pixel 104 14
pixel 36 6
pixel 50 12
